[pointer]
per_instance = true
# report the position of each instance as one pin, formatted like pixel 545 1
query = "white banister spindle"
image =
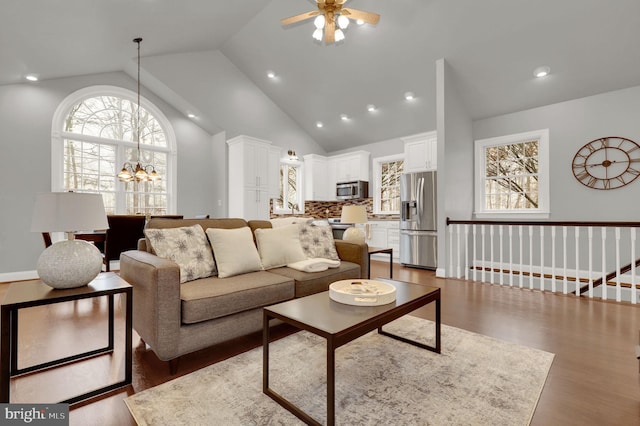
pixel 501 261
pixel 530 257
pixel 577 235
pixel 482 235
pixel 475 258
pixel 450 272
pixel 564 259
pixel 466 251
pixel 603 286
pixel 542 258
pixel 553 259
pixel 590 233
pixel 634 291
pixel 618 288
pixel 491 263
pixel 520 257
pixel 511 255
pixel 458 250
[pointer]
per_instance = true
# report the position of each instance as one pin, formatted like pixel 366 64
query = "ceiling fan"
pixel 333 18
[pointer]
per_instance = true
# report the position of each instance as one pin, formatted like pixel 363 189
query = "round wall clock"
pixel 607 163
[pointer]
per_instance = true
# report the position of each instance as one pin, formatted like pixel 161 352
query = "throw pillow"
pixel 234 251
pixel 279 246
pixel 317 241
pixel 187 246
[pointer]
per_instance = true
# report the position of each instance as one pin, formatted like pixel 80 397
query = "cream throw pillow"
pixel 187 246
pixel 279 246
pixel 234 251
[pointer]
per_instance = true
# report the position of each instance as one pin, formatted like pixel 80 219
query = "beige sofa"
pixel 176 319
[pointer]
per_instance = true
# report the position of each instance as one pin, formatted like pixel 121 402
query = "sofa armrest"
pixel 356 253
pixel 156 300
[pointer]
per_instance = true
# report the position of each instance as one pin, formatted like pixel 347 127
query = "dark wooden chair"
pixel 123 234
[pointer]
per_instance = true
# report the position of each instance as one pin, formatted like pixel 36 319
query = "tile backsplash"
pixel 329 209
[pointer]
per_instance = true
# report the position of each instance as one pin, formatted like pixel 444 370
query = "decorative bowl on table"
pixel 362 292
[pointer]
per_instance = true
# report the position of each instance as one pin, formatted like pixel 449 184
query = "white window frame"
pixel 58 137
pixel 543 210
pixel 299 185
pixel 377 181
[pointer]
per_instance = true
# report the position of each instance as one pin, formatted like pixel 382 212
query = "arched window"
pixel 95 132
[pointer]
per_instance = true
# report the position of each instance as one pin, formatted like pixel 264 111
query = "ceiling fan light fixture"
pixel 343 22
pixel 339 35
pixel 319 22
pixel 317 34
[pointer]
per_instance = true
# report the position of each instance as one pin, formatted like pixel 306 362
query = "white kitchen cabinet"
pixel 352 166
pixel 253 177
pixel 384 234
pixel 420 152
pixel 316 184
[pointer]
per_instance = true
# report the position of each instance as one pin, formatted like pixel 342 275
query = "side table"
pixel 27 294
pixel 376 250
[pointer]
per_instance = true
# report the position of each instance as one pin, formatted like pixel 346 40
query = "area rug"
pixel 476 380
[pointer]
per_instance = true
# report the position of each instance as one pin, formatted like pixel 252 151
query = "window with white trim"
pixel 386 184
pixel 291 199
pixel 95 133
pixel 512 175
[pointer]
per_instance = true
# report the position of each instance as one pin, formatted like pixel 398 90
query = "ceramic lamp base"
pixel 354 235
pixel 69 264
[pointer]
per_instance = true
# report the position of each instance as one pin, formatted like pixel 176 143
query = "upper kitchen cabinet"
pixel 253 176
pixel 317 184
pixel 352 166
pixel 420 152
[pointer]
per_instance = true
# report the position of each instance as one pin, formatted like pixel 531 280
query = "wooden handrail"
pixel 610 276
pixel 540 223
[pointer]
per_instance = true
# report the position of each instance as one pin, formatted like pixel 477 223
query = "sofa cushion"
pixel 187 246
pixel 234 251
pixel 313 282
pixel 210 298
pixel 279 246
pixel 317 241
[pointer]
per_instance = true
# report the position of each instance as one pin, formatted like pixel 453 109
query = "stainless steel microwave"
pixel 351 190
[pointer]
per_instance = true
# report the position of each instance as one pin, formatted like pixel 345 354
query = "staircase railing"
pixel 548 256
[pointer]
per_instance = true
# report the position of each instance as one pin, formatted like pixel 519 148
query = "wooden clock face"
pixel 607 163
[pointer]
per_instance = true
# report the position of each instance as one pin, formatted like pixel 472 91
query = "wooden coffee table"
pixel 340 324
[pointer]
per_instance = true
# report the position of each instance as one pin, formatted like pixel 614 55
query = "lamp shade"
pixel 68 212
pixel 354 214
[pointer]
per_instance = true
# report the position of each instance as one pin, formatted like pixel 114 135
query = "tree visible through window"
pixel 386 186
pixel 289 183
pixel 99 135
pixel 512 175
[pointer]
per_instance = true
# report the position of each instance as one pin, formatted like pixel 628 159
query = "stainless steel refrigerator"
pixel 418 216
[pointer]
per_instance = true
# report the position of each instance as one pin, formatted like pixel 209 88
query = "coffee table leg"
pixel 331 383
pixel 265 352
pixel 438 325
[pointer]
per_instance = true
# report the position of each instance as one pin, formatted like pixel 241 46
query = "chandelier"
pixel 139 172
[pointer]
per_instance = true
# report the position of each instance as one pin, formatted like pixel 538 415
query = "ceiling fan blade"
pixel 298 18
pixel 330 31
pixel 368 17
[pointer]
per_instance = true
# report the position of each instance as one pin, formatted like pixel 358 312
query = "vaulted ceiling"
pixel 493 46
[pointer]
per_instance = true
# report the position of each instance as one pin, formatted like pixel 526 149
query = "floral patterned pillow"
pixel 317 241
pixel 187 246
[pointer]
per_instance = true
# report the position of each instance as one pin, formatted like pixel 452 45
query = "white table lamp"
pixel 69 263
pixel 354 214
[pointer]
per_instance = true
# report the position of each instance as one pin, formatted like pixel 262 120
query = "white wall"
pixel 572 124
pixel 26 112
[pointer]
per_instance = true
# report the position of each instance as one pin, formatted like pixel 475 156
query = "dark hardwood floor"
pixel 594 378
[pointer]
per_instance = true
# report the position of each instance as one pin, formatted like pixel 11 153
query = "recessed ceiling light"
pixel 409 96
pixel 319 124
pixel 271 74
pixel 542 71
pixel 359 22
pixel 31 77
pixel 191 115
pixel 344 117
pixel 371 108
